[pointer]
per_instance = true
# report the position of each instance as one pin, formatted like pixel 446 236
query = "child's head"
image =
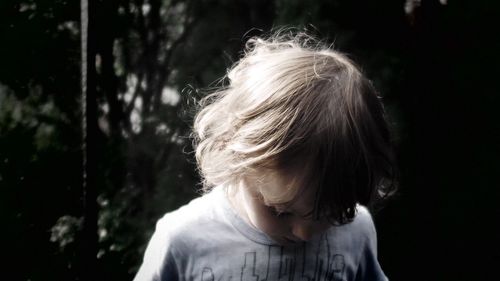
pixel 298 108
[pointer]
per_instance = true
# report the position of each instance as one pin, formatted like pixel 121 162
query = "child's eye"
pixel 278 213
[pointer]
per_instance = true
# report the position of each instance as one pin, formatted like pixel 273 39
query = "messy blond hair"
pixel 291 99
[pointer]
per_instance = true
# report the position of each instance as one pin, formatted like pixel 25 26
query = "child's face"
pixel 284 223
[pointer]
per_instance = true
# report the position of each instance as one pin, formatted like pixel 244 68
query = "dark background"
pixel 434 62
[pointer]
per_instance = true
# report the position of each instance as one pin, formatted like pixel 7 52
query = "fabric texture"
pixel 206 240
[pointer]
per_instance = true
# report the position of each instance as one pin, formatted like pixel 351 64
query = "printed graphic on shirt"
pixel 300 263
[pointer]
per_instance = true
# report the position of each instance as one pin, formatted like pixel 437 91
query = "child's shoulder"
pixel 179 233
pixel 362 224
pixel 363 216
pixel 199 213
pixel 357 236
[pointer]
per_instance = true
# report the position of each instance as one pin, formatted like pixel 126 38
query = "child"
pixel 292 153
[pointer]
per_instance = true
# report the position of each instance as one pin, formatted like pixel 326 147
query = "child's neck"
pixel 235 197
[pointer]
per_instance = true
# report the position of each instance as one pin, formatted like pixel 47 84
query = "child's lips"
pixel 292 240
pixel 285 240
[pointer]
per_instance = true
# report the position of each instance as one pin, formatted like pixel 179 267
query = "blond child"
pixel 293 152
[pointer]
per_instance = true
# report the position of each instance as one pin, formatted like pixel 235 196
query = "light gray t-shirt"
pixel 206 240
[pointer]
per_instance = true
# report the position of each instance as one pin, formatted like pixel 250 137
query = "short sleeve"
pixel 369 267
pixel 159 262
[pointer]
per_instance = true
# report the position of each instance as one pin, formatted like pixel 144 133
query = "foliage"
pixel 39 134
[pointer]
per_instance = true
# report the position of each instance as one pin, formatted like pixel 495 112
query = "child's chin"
pixel 283 241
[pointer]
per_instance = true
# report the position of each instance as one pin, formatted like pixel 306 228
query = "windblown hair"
pixel 293 100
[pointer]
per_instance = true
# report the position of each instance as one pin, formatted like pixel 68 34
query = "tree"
pixel 40 155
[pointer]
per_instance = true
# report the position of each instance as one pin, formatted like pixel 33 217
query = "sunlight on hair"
pixel 292 98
